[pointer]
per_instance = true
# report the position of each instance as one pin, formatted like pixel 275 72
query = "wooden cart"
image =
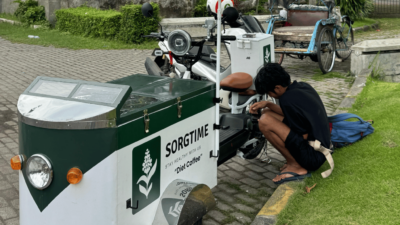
pixel 318 32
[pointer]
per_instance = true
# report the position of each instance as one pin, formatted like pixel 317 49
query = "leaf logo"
pixel 175 210
pixel 267 54
pixel 149 172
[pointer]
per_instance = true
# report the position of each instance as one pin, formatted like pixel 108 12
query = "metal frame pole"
pixel 219 13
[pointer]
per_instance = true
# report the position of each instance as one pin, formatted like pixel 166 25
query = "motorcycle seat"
pixel 237 82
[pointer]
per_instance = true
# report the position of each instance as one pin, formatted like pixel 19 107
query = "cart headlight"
pixel 179 42
pixel 39 171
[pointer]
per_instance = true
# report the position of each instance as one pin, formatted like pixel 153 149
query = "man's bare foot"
pixel 295 169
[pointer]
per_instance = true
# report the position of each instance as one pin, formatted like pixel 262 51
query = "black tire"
pixel 253 150
pixel 326 47
pixel 344 40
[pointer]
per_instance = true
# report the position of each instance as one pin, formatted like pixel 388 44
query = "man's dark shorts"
pixel 303 153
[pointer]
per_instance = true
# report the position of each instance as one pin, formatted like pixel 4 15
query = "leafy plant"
pixel 200 10
pixel 376 72
pixel 29 12
pixel 356 9
pixel 34 14
pixel 23 7
pixel 134 24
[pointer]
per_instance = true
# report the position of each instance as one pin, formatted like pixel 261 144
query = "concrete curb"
pixel 9 21
pixel 275 204
pixel 16 22
pixel 355 89
pixel 365 28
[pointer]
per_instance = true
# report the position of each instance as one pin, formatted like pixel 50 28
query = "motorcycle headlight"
pixel 39 171
pixel 179 42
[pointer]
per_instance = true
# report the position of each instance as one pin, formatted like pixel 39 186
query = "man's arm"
pixel 275 108
pixel 265 104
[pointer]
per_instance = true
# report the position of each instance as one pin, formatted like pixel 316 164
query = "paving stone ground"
pixel 243 186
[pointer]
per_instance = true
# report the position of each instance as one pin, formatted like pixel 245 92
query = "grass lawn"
pixel 388 28
pixel 319 76
pixel 364 22
pixel 364 187
pixel 19 34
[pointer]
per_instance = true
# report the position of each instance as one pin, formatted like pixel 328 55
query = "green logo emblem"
pixel 227 5
pixel 172 209
pixel 146 173
pixel 267 54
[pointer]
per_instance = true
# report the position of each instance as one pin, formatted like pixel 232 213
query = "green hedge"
pixel 89 22
pixel 134 24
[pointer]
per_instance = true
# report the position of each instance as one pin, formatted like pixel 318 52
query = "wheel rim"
pixel 344 40
pixel 326 50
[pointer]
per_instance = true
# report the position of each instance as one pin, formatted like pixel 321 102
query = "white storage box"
pixel 252 51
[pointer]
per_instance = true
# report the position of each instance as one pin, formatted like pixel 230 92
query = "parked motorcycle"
pixel 205 68
pixel 196 60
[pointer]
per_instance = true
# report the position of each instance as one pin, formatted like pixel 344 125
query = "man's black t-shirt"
pixel 305 113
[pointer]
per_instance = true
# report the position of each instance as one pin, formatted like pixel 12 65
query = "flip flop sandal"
pixel 296 177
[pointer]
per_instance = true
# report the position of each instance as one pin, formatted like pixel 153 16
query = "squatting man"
pixel 300 117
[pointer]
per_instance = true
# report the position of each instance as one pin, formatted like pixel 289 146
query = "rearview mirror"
pixel 147 10
pixel 230 14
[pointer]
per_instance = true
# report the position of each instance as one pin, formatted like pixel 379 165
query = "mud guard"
pixel 347 17
pixel 184 202
pixel 152 68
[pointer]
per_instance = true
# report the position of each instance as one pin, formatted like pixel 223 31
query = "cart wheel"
pixel 326 50
pixel 344 40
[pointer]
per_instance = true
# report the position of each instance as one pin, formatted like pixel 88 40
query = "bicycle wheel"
pixel 344 40
pixel 326 50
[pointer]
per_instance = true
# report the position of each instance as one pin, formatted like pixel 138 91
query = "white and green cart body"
pixel 142 142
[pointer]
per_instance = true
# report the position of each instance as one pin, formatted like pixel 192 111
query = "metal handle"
pixel 179 107
pixel 146 121
pixel 129 204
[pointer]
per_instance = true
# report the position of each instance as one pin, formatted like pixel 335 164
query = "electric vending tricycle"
pixel 138 150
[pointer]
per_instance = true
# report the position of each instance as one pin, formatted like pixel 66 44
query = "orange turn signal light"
pixel 74 175
pixel 16 162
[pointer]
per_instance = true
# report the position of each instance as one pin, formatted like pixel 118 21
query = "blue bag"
pixel 347 132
